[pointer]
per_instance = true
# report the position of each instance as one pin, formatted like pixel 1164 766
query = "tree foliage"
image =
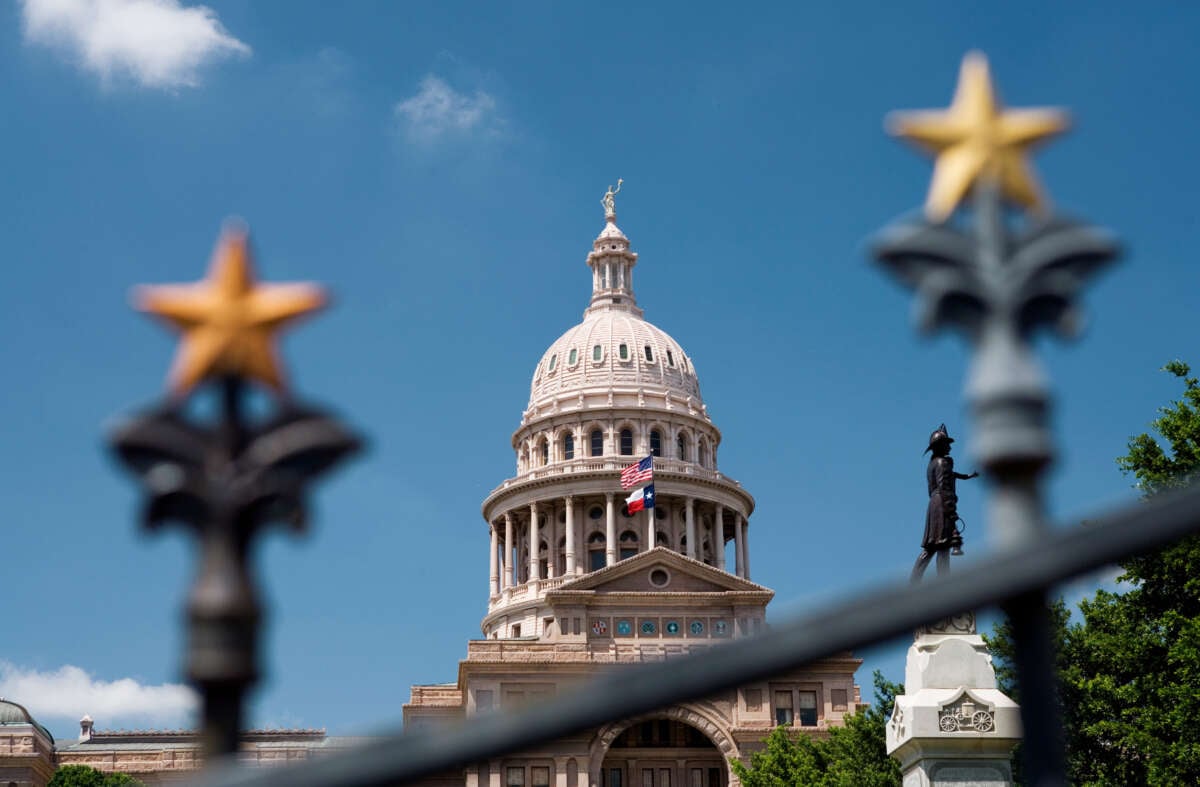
pixel 87 776
pixel 852 756
pixel 1129 666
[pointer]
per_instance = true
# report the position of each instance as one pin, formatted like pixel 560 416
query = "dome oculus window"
pixel 596 512
pixel 597 353
pixel 649 354
pixel 623 351
pixel 572 357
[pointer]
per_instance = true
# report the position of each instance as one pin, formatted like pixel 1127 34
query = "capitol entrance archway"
pixel 663 753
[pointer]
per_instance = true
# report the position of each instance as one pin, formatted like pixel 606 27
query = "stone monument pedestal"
pixel 952 726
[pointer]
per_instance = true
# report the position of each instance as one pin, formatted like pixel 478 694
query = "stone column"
pixel 534 569
pixel 746 547
pixel 551 536
pixel 719 536
pixel 494 560
pixel 610 534
pixel 510 565
pixel 739 534
pixel 581 556
pixel 570 535
pixel 689 515
pixel 952 725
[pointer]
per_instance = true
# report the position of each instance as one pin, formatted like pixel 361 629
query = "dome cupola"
pixel 612 264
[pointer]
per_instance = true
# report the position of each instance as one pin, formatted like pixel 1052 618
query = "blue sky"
pixel 439 167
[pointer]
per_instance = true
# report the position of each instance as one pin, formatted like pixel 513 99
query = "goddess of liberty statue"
pixel 608 201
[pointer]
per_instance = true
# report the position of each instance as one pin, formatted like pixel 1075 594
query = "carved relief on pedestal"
pixel 956 624
pixel 965 714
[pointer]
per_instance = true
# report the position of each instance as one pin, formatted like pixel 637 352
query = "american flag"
pixel 638 473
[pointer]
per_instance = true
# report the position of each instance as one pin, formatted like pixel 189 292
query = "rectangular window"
pixel 516 777
pixel 568 447
pixel 597 443
pixel 647 777
pixel 670 359
pixel 596 559
pixel 597 353
pixel 808 708
pixel 664 777
pixel 838 697
pixel 517 630
pixel 714 777
pixel 623 351
pixel 783 707
pixel 753 700
pixel 614 777
pixel 649 354
pixel 627 552
pixel 539 776
pixel 697 777
pixel 483 700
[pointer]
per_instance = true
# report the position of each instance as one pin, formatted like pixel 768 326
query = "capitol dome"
pixel 608 393
pixel 612 348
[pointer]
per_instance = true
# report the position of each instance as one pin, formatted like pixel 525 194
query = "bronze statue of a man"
pixel 941 517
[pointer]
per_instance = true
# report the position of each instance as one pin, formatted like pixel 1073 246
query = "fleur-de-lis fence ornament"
pixel 998 280
pixel 226 480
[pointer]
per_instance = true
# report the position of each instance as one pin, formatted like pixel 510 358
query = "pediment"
pixel 660 570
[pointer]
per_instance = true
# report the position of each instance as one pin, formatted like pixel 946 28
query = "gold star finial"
pixel 974 139
pixel 228 321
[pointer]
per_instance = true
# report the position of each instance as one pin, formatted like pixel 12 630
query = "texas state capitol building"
pixel 578 584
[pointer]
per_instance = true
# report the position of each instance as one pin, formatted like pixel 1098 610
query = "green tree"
pixel 86 776
pixel 1129 667
pixel 852 756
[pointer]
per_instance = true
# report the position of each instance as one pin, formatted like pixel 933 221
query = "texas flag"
pixel 643 498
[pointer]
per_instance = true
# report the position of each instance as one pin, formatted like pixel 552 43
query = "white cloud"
pixel 438 110
pixel 69 692
pixel 159 43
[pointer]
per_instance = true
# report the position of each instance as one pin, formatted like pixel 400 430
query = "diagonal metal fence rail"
pixel 1002 578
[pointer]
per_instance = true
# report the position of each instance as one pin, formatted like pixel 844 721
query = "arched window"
pixel 597 442
pixel 655 443
pixel 661 539
pixel 623 352
pixel 568 446
pixel 629 544
pixel 702 453
pixel 626 442
pixel 553 362
pixel 681 446
pixel 572 357
pixel 544 451
pixel 597 352
pixel 596 545
pixel 543 560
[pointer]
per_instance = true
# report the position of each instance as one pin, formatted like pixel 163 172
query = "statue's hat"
pixel 940 435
